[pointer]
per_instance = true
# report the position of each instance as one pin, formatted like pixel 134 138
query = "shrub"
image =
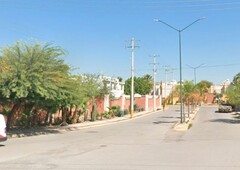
pixel 135 107
pixel 119 113
pixel 106 115
pixel 126 112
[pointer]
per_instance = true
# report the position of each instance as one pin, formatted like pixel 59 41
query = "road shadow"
pixel 170 117
pixel 229 121
pixel 2 145
pixel 222 112
pixel 162 122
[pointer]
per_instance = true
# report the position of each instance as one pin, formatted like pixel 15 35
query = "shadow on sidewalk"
pixel 32 132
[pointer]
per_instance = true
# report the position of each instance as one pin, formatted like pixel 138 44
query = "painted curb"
pixel 185 126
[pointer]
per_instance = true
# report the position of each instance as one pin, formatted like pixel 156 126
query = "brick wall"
pixel 140 102
pixel 123 102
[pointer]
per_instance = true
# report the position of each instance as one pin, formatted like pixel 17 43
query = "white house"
pixel 220 88
pixel 116 87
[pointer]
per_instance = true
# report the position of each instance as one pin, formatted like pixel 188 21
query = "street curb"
pixel 77 126
pixel 186 125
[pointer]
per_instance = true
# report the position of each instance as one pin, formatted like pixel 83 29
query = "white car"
pixel 3 134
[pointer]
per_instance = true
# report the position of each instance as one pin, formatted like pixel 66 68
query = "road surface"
pixel 143 143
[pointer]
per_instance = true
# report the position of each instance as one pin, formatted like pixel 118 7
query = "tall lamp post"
pixel 180 57
pixel 195 72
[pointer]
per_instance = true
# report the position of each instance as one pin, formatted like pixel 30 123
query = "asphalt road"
pixel 143 143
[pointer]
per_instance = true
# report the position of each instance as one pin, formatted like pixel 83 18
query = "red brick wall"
pixel 127 103
pixel 99 104
pixel 140 102
pixel 150 104
pixel 116 102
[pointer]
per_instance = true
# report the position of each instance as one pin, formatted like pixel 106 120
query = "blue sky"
pixel 95 32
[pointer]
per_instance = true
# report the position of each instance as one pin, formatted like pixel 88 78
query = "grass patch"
pixel 190 125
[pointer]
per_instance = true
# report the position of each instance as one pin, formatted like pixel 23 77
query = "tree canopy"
pixel 203 86
pixel 142 85
pixel 34 75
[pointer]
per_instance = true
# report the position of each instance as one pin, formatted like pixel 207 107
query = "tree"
pixel 92 87
pixel 187 91
pixel 142 85
pixel 203 86
pixel 236 79
pixel 31 75
pixel 233 94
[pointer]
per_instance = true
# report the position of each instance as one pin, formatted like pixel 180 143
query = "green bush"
pixel 106 115
pixel 126 112
pixel 120 113
pixel 135 107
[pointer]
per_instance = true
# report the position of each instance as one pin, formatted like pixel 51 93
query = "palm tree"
pixel 188 89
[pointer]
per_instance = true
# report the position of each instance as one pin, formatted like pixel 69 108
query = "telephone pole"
pixel 132 46
pixel 166 76
pixel 154 81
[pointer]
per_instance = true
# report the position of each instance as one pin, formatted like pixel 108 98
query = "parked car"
pixel 3 133
pixel 225 108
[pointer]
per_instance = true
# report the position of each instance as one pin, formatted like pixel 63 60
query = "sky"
pixel 96 34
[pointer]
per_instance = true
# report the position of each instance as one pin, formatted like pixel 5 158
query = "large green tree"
pixel 236 79
pixel 233 94
pixel 142 85
pixel 233 91
pixel 203 86
pixel 30 75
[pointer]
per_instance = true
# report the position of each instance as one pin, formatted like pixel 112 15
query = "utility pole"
pixel 132 46
pixel 166 76
pixel 154 81
pixel 172 83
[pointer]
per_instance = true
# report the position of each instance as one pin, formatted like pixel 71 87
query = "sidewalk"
pixel 18 133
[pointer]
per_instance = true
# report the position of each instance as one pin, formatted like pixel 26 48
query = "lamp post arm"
pixel 158 20
pixel 191 24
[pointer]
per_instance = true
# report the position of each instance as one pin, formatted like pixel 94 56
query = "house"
pixel 219 89
pixel 116 87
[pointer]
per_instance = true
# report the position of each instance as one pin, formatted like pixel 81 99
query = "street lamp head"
pixel 156 20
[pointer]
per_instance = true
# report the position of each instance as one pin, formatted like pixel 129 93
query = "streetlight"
pixel 195 74
pixel 180 57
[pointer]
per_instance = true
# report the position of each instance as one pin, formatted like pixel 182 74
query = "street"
pixel 143 143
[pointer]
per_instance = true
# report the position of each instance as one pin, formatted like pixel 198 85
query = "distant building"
pixel 116 87
pixel 165 88
pixel 219 89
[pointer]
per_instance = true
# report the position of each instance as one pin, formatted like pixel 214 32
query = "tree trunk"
pixel 10 117
pixel 188 107
pixel 34 117
pixel 93 114
pixel 47 118
pixel 64 116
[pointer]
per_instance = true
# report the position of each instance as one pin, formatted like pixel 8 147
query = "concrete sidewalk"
pixel 18 133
